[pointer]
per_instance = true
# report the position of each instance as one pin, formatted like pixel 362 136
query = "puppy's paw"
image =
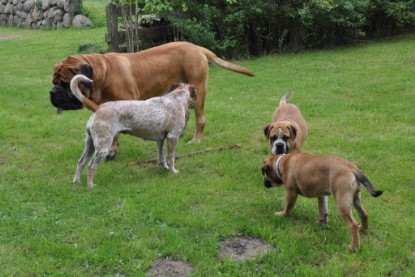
pixel 281 213
pixel 354 248
pixel 363 230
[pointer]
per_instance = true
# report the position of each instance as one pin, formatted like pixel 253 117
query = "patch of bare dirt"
pixel 243 248
pixel 169 268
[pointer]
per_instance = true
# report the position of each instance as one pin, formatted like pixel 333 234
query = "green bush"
pixel 240 28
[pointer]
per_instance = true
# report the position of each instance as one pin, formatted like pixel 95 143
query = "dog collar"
pixel 277 166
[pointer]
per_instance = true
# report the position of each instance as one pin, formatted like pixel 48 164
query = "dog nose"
pixel 280 145
pixel 52 91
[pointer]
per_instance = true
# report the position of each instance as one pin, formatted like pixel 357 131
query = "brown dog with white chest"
pixel 318 176
pixel 288 130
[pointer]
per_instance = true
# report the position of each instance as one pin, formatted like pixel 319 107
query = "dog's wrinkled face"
pixel 269 173
pixel 281 136
pixel 60 95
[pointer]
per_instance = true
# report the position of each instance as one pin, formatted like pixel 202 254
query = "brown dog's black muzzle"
pixel 62 98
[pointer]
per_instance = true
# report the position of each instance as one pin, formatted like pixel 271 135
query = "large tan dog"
pixel 319 176
pixel 139 76
pixel 288 130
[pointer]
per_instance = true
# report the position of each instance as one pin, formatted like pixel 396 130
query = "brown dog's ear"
pixel 87 70
pixel 293 132
pixel 266 130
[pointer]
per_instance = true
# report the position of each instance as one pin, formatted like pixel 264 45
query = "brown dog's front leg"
pixel 290 199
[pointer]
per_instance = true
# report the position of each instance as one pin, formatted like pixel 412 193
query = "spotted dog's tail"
pixel 78 94
pixel 285 97
pixel 365 181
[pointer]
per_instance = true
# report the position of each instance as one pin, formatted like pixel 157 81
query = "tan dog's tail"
pixel 224 64
pixel 365 181
pixel 285 97
pixel 77 92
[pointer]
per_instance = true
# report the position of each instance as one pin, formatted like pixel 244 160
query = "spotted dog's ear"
pixel 193 92
pixel 174 86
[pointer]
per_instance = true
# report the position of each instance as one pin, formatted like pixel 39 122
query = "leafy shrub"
pixel 240 28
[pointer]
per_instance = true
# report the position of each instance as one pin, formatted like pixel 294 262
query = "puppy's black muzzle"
pixel 281 148
pixel 267 182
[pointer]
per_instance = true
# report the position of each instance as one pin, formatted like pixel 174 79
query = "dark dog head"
pixel 269 172
pixel 60 95
pixel 281 136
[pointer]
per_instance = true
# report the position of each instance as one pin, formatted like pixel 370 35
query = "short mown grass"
pixel 358 102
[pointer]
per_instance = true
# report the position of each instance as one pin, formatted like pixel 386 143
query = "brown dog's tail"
pixel 365 181
pixel 285 97
pixel 77 92
pixel 224 64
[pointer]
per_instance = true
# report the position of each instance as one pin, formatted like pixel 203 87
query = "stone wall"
pixel 42 13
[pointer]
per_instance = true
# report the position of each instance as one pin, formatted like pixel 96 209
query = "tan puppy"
pixel 319 176
pixel 139 76
pixel 288 130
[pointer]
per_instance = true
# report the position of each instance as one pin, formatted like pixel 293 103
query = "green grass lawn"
pixel 358 102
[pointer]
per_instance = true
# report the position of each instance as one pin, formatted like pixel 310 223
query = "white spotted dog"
pixel 154 119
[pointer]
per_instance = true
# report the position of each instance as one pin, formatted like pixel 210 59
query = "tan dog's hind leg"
pixel 361 212
pixel 199 83
pixel 290 199
pixel 344 205
pixel 200 122
pixel 323 208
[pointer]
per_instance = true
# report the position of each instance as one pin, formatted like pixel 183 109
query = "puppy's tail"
pixel 365 181
pixel 285 97
pixel 77 92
